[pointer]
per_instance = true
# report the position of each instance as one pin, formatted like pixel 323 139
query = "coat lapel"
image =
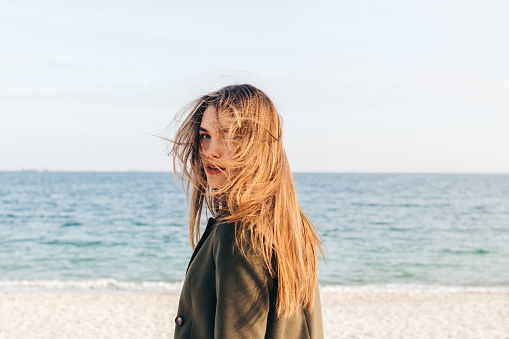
pixel 210 223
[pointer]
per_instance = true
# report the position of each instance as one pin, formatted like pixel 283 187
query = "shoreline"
pixel 346 314
pixel 109 285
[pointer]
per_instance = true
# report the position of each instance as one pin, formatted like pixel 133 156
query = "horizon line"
pixel 303 172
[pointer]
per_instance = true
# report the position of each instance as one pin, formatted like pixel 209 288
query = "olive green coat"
pixel 228 295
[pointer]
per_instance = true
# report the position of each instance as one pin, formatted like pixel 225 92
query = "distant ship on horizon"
pixel 40 170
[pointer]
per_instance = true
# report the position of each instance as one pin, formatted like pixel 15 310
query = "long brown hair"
pixel 259 194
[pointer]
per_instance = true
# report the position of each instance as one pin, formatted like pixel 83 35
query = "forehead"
pixel 210 119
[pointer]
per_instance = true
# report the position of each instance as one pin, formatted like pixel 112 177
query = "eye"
pixel 204 136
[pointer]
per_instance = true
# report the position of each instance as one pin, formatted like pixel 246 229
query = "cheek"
pixel 204 145
pixel 228 153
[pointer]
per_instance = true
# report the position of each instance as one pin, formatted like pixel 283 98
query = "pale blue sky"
pixel 363 86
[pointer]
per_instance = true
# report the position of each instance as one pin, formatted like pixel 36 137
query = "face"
pixel 213 148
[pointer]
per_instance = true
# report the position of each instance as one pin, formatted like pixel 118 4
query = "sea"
pixel 127 231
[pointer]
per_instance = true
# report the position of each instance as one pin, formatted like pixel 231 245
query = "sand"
pixel 346 314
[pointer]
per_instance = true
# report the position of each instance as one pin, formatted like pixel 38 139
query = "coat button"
pixel 179 321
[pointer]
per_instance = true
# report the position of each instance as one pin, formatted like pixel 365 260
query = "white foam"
pixel 109 285
pixel 98 285
pixel 414 288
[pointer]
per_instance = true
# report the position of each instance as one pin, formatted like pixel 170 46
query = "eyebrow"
pixel 201 129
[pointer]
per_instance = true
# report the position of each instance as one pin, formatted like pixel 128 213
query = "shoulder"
pixel 224 238
pixel 224 231
pixel 228 254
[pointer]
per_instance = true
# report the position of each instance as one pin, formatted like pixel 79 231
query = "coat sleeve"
pixel 242 289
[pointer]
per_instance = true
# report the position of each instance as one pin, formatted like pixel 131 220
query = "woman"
pixel 253 272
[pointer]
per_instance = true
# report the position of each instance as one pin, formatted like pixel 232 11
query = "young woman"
pixel 253 272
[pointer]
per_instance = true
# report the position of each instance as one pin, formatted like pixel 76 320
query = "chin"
pixel 213 185
pixel 215 182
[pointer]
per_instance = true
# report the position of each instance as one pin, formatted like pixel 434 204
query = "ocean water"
pixel 128 231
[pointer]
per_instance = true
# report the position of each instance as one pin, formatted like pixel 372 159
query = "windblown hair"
pixel 259 194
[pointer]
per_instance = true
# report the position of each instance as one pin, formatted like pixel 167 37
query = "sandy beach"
pixel 346 314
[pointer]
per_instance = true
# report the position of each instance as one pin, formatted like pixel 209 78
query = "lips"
pixel 213 169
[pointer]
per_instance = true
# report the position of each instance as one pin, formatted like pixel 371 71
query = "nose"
pixel 211 148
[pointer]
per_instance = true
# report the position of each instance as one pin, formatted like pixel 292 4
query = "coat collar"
pixel 210 225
